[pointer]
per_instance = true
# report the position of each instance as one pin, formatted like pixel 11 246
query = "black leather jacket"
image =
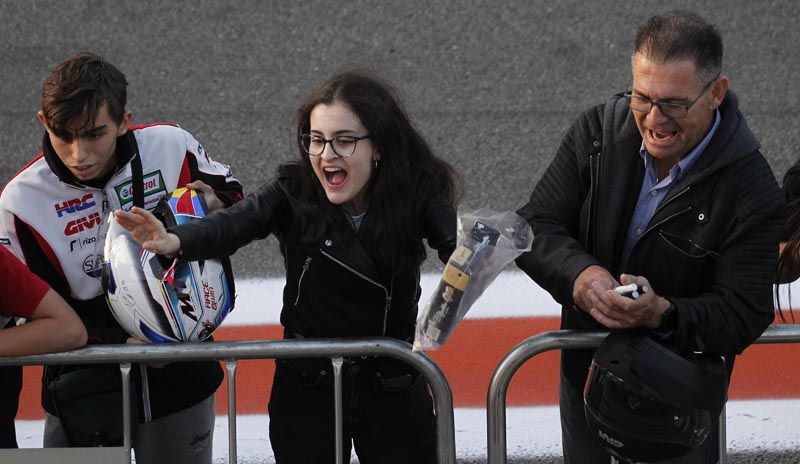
pixel 711 247
pixel 333 289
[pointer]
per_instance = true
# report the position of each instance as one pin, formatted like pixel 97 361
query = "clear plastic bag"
pixel 487 242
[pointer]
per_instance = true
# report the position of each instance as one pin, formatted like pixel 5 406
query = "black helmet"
pixel 644 402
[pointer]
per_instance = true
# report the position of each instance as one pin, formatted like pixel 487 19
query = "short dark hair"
pixel 76 89
pixel 682 35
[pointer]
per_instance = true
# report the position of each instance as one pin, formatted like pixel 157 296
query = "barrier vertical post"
pixel 230 366
pixel 723 445
pixel 337 392
pixel 125 372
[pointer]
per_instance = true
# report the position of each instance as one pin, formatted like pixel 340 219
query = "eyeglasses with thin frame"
pixel 343 145
pixel 672 110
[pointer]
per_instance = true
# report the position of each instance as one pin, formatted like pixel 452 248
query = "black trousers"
pixel 10 387
pixel 580 447
pixel 388 413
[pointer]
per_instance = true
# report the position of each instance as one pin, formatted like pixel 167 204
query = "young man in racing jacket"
pixel 53 212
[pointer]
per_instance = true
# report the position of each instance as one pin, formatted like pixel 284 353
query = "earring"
pixel 376 163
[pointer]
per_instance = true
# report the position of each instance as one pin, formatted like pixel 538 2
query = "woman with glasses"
pixel 350 214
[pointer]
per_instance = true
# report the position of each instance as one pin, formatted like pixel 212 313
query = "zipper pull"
pixel 300 281
pixel 386 313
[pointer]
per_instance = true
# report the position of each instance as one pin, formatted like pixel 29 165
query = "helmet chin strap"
pixel 169 274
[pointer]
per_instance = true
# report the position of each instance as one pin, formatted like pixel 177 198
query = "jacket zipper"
pixel 594 185
pixel 385 291
pixel 300 281
pixel 661 206
pixel 669 200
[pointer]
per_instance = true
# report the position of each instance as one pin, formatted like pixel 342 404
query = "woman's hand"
pixel 148 231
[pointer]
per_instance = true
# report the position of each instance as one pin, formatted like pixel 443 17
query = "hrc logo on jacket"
pixel 74 205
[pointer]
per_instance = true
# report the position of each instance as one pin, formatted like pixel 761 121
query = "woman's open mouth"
pixel 334 176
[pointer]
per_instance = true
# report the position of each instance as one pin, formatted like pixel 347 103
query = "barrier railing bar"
pixel 498 386
pixel 573 339
pixel 270 349
pixel 230 367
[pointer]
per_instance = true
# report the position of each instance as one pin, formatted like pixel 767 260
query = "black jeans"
pixel 580 447
pixel 10 386
pixel 388 413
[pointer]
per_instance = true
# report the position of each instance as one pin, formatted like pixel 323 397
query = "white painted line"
pixel 513 294
pixel 766 425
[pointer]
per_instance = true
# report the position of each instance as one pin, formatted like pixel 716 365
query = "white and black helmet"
pixel 644 402
pixel 166 300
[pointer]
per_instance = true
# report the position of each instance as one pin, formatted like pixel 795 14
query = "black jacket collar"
pixel 345 246
pixel 125 151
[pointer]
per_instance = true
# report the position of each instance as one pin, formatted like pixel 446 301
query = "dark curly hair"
pixel 395 238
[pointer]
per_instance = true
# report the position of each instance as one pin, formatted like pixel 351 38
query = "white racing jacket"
pixel 56 225
pixel 67 219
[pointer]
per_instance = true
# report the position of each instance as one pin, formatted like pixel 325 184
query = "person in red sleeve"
pixel 51 326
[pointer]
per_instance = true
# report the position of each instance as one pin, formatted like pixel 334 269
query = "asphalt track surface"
pixel 492 85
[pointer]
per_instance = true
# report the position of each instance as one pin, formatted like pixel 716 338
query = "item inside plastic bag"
pixel 487 242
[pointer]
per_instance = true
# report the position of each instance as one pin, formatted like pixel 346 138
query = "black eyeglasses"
pixel 672 110
pixel 343 145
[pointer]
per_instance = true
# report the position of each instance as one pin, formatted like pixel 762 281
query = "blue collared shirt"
pixel 654 191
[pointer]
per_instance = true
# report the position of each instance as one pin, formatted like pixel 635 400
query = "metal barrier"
pixel 572 339
pixel 230 352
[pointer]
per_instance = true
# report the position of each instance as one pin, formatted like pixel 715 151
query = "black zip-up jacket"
pixel 710 248
pixel 333 289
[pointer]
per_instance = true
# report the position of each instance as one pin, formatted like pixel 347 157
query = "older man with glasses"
pixel 664 187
